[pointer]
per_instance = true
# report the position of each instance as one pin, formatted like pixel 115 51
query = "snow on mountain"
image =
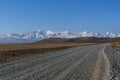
pixel 67 34
pixel 89 34
pixel 110 34
pixel 51 34
pixel 39 35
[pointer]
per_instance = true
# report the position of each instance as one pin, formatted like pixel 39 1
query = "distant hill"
pixel 80 40
pixel 33 36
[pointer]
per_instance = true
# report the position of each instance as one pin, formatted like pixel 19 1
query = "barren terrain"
pixel 96 62
pixel 9 52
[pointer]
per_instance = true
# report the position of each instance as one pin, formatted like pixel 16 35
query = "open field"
pixel 116 46
pixel 10 52
pixel 38 45
pixel 95 62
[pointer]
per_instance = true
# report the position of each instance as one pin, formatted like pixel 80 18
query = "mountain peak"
pixel 49 32
pixel 39 35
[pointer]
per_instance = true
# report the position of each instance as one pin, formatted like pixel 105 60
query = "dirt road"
pixel 97 62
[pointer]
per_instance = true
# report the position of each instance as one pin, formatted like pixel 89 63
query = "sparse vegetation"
pixel 10 52
pixel 116 46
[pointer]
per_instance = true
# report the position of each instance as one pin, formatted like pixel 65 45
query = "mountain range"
pixel 40 35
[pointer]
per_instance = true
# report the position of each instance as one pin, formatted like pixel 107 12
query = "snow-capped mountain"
pixel 39 35
pixel 111 35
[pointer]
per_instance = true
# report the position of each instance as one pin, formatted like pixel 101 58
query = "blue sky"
pixel 59 15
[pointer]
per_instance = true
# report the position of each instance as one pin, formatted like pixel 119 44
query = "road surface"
pixel 96 62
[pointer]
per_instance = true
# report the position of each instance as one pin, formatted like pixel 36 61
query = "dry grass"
pixel 37 46
pixel 10 52
pixel 116 46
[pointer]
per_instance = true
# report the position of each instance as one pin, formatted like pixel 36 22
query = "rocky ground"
pixel 96 62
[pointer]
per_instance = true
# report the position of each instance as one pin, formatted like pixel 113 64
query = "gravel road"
pixel 96 62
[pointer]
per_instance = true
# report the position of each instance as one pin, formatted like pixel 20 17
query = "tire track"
pixel 97 72
pixel 63 74
pixel 102 68
pixel 107 75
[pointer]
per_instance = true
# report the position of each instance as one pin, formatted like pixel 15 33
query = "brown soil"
pixel 10 52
